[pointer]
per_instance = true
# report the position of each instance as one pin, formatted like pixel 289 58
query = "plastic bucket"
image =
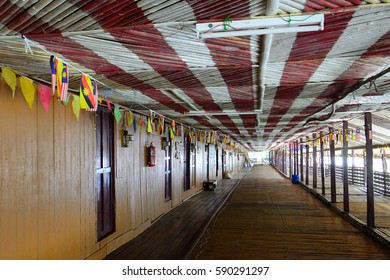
pixel 295 178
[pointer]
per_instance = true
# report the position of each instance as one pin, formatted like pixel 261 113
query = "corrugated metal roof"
pixel 149 53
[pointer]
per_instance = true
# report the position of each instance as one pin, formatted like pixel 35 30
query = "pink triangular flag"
pixel 44 96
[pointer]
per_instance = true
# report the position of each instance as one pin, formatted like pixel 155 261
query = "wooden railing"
pixel 356 177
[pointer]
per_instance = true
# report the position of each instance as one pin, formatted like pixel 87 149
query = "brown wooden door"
pixel 207 154
pixel 168 172
pixel 187 164
pixel 105 173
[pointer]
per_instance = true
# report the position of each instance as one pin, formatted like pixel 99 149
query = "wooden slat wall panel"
pixel 123 167
pixel 47 182
pixel 143 186
pixel 200 166
pixel 135 187
pixel 60 180
pixel 177 171
pixel 8 192
pixel 73 186
pixel 88 195
pixel 26 179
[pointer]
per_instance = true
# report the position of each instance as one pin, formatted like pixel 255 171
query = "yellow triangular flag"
pixel 28 90
pixel 10 78
pixel 76 106
pixel 129 118
pixel 171 134
pixel 149 128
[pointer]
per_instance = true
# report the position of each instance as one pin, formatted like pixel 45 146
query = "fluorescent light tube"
pixel 219 113
pixel 261 26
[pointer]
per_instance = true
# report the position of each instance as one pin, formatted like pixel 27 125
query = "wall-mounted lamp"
pixel 126 138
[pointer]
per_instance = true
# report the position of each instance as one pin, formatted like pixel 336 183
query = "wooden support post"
pixel 332 166
pixel 322 164
pixel 345 167
pixel 315 165
pixel 307 162
pixel 296 171
pixel 301 160
pixel 384 169
pixel 290 159
pixel 370 173
pixel 353 167
pixel 285 159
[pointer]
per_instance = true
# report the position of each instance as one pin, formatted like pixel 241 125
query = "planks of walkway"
pixel 174 234
pixel 268 217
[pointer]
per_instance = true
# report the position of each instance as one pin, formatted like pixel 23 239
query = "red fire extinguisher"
pixel 151 156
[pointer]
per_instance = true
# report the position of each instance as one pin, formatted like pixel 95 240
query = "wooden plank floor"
pixel 268 217
pixel 174 234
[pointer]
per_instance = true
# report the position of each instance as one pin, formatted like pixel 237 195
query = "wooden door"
pixel 187 164
pixel 207 155
pixel 168 172
pixel 105 173
pixel 218 161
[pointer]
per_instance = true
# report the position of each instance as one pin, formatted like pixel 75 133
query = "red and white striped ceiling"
pixel 149 53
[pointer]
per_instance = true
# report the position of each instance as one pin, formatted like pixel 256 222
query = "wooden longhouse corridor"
pixel 116 115
pixel 266 217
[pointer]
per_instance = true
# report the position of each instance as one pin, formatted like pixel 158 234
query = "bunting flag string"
pixel 90 101
pixel 88 90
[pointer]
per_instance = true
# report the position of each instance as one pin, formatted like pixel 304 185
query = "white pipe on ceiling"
pixel 272 9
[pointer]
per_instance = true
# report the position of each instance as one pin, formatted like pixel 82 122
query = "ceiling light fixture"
pixel 260 26
pixel 219 113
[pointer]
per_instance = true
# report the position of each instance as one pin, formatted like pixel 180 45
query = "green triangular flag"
pixel 76 106
pixel 171 134
pixel 117 114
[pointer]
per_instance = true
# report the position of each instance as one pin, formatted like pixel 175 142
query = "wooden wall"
pixel 47 174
